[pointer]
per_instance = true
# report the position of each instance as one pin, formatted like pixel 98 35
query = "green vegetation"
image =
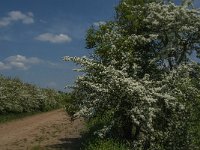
pixel 92 141
pixel 18 99
pixel 37 147
pixel 12 116
pixel 140 86
pixel 105 144
pixel 69 103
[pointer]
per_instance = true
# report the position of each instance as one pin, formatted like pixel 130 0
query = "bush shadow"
pixel 67 144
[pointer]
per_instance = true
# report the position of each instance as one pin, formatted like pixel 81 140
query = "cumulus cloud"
pixel 4 66
pixel 18 62
pixel 53 38
pixel 13 16
pixel 97 24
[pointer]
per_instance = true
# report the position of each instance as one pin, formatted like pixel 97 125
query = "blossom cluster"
pixel 143 75
pixel 103 88
pixel 18 97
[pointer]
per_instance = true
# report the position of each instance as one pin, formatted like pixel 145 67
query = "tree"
pixel 135 72
pixel 150 35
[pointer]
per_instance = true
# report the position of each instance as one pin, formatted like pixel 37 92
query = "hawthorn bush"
pixel 19 97
pixel 141 73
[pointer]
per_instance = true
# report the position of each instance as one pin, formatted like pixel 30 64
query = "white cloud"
pixel 23 59
pixel 18 62
pixel 97 24
pixel 14 16
pixel 4 66
pixel 53 38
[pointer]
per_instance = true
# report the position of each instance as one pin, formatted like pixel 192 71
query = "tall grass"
pixel 92 141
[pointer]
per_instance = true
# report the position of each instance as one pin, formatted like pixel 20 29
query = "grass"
pixel 37 147
pixel 13 116
pixel 106 144
pixel 93 142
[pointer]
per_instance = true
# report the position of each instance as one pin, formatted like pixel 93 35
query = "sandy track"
pixel 51 130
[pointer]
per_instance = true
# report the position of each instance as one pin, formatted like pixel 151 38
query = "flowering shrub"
pixel 141 74
pixel 148 108
pixel 18 97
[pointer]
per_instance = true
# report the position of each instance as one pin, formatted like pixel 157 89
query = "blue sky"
pixel 36 34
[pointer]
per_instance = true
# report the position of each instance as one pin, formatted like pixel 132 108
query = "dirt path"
pixel 51 130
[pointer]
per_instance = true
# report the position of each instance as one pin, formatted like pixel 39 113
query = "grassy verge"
pixel 90 141
pixel 13 116
pixel 105 144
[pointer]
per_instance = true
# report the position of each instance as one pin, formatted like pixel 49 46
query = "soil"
pixel 47 131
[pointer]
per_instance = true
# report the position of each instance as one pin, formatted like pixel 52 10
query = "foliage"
pixel 92 141
pixel 12 116
pixel 147 38
pixel 141 109
pixel 184 84
pixel 142 74
pixel 106 144
pixel 19 97
pixel 69 103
